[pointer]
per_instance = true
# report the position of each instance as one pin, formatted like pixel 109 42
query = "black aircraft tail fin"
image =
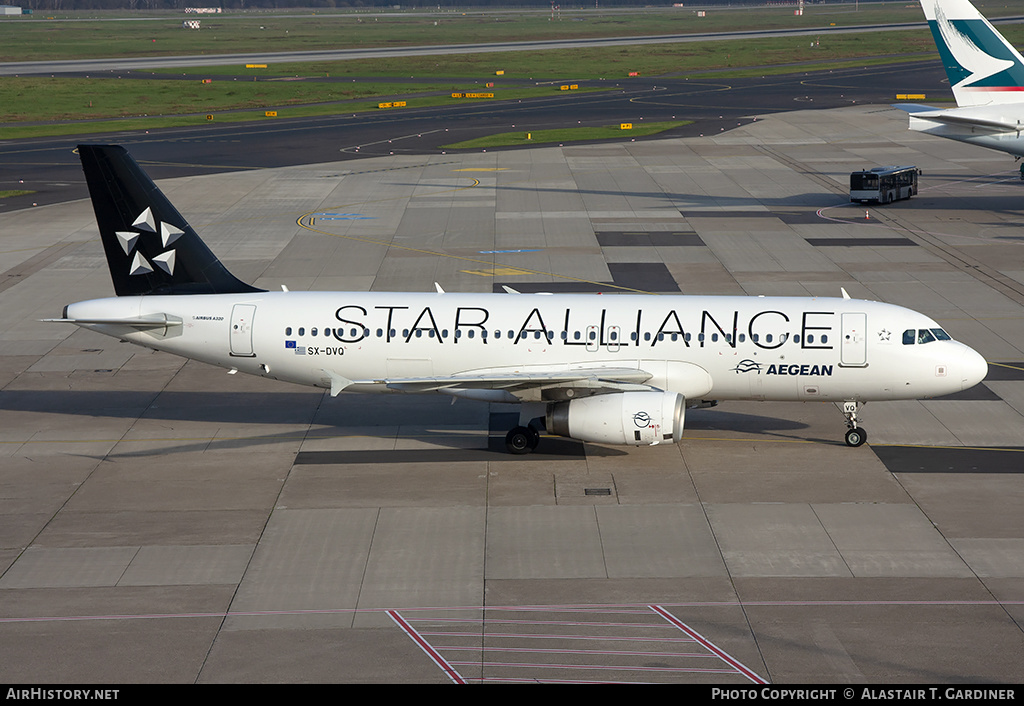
pixel 150 248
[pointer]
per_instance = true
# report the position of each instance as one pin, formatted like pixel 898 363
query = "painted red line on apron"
pixel 425 646
pixel 725 657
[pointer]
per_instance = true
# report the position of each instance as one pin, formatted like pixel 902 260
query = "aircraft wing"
pixel 517 384
pixel 987 119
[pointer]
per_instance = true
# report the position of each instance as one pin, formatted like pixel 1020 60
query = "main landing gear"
pixel 522 440
pixel 855 436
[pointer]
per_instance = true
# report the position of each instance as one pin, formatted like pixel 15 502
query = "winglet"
pixel 845 294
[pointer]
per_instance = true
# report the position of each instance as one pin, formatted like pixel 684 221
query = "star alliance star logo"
pixel 145 223
pixel 884 334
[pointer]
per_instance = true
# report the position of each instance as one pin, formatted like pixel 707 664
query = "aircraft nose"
pixel 973 368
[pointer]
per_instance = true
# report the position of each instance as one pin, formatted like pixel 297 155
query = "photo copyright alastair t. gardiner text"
pixel 865 693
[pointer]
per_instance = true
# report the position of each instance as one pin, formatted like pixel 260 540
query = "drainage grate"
pixel 597 491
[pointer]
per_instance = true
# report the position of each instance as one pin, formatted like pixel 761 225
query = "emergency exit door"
pixel 242 316
pixel 853 349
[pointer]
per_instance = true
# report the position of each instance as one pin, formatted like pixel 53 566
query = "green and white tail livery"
pixel 983 68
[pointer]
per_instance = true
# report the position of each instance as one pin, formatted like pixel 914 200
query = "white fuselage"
pixel 757 348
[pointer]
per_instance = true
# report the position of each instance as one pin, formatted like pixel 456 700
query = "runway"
pixel 165 522
pixel 27 68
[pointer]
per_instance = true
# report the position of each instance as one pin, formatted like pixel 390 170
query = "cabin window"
pixel 768 338
pixel 576 335
pixel 796 338
pixel 615 335
pixel 380 333
pixel 302 331
pixel 288 331
pixel 647 336
pixel 469 333
pixel 824 338
pixel 743 337
pixel 592 335
pixel 312 332
pixel 686 337
pixel 714 338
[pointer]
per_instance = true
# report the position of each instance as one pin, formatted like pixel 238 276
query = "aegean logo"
pixel 642 419
pixel 748 365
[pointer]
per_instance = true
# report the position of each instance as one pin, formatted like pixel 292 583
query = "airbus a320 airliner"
pixel 609 369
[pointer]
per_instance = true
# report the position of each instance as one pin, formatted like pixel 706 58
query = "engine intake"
pixel 626 418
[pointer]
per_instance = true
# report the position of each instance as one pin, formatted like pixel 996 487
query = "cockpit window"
pixel 924 335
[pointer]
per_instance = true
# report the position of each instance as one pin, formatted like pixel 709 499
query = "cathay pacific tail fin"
pixel 150 248
pixel 983 68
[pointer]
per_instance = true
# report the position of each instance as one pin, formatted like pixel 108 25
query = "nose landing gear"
pixel 855 436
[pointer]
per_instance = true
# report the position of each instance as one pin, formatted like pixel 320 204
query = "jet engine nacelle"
pixel 634 418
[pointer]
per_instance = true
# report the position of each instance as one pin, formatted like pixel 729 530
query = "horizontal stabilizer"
pixel 148 322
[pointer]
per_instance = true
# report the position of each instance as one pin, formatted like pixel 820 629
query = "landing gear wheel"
pixel 534 437
pixel 522 440
pixel 856 437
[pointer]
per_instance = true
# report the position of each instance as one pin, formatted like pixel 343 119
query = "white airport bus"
pixel 884 184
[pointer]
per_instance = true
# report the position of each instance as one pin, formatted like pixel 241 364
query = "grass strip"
pixel 575 134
